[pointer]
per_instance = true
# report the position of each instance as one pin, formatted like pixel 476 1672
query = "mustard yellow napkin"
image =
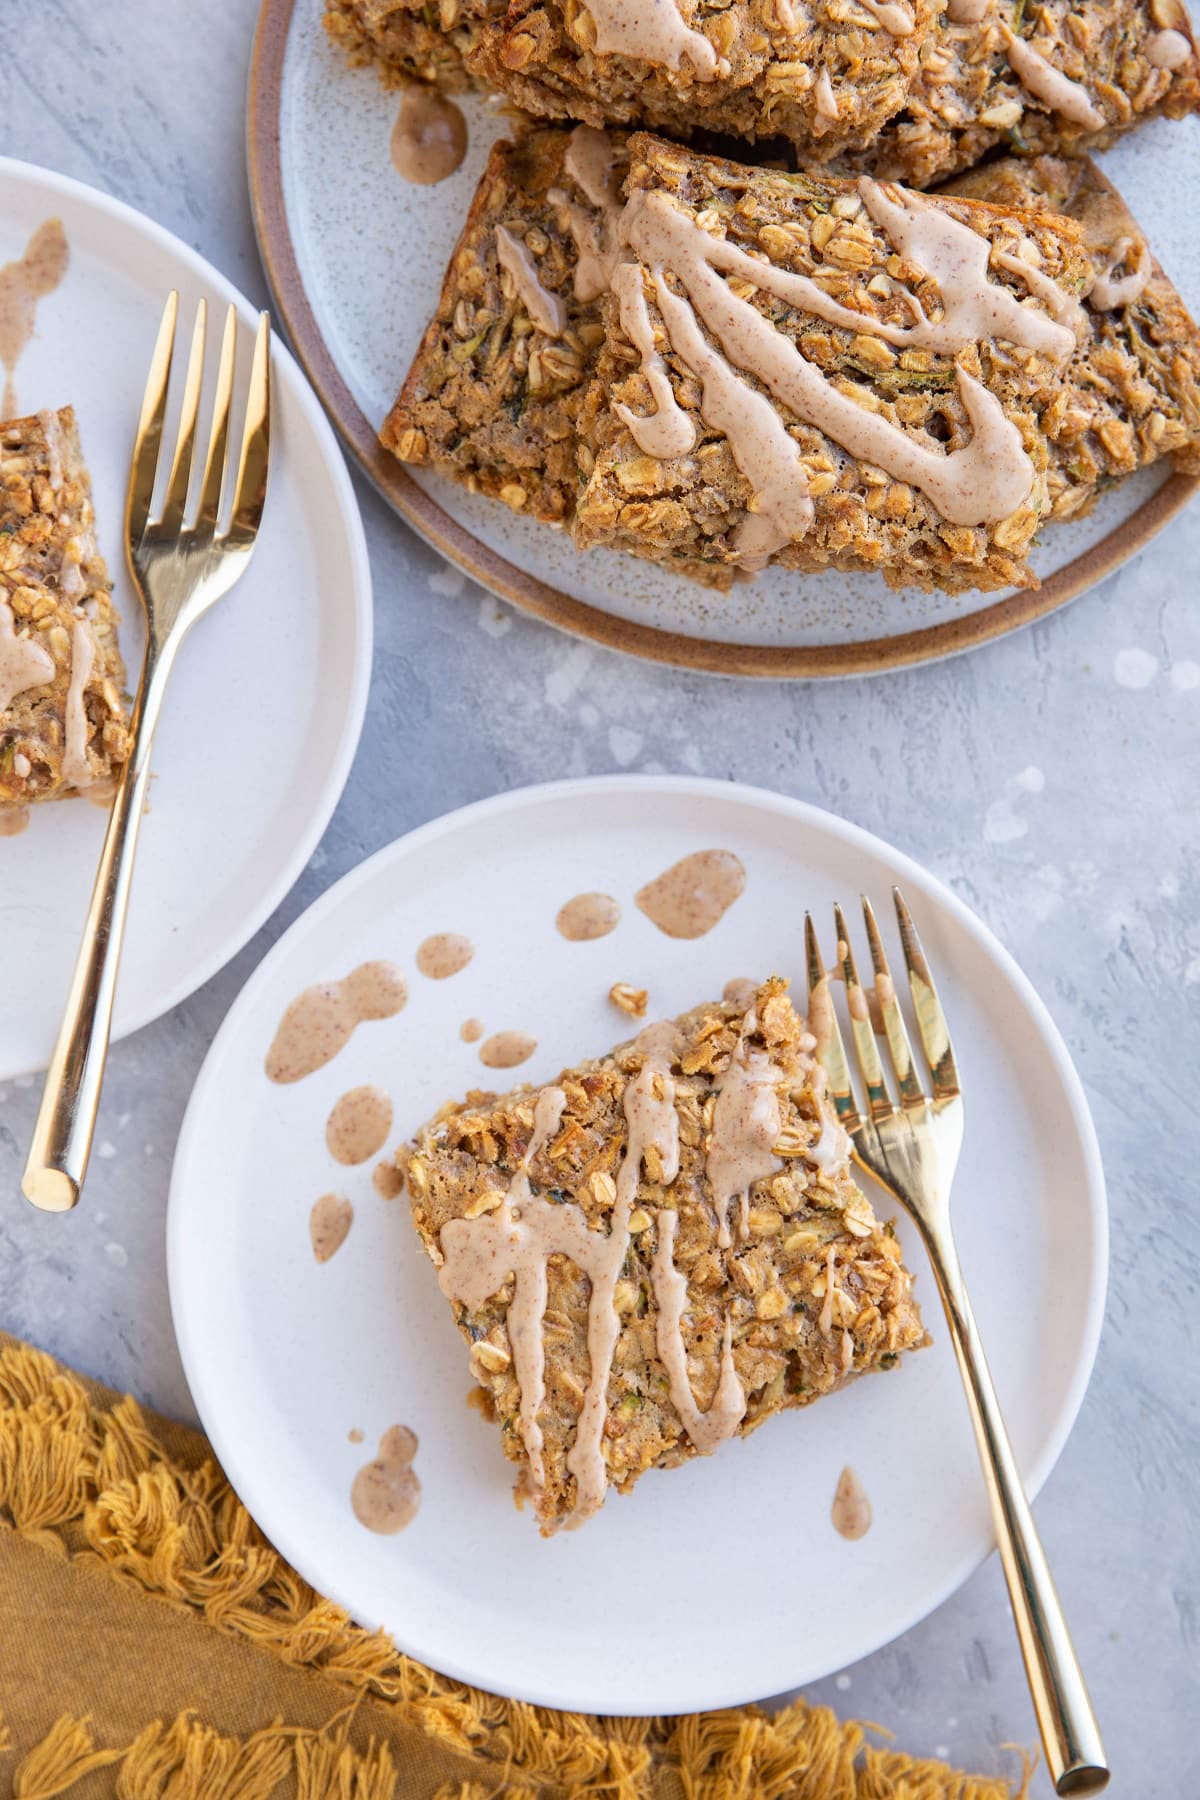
pixel 153 1646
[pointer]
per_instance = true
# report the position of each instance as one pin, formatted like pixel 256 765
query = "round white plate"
pixel 267 699
pixel 285 1356
pixel 356 258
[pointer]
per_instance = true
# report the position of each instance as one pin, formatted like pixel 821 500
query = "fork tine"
pixel 912 1095
pixel 144 465
pixel 250 489
pixel 822 1022
pixel 175 502
pixel 879 1100
pixel 931 1020
pixel 218 442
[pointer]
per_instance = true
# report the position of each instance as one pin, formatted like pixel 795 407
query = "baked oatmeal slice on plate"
pixel 657 1250
pixel 1053 77
pixel 63 719
pixel 824 75
pixel 826 374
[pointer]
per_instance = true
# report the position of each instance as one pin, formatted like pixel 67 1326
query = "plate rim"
pixel 290 375
pixel 867 656
pixel 807 815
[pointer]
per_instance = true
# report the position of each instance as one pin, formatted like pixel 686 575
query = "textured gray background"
pixel 1050 778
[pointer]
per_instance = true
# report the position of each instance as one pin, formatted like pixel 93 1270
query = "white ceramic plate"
pixel 268 696
pixel 714 1582
pixel 356 257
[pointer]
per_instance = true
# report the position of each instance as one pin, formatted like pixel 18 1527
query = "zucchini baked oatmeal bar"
pixel 824 75
pixel 821 373
pixel 63 725
pixel 1055 76
pixel 537 385
pixel 658 1250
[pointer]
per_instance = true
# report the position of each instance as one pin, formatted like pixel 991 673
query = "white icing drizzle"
pixel 1168 50
pixel 24 662
pixel 763 449
pixel 957 259
pixel 517 1238
pixel 667 431
pixel 826 100
pixel 1056 90
pixel 76 771
pixel 1107 291
pixel 649 1106
pixel 706 1429
pixel 652 31
pixel 745 1130
pixel 831 1148
pixel 895 17
pixel 546 310
pixel 1058 303
pixel 52 431
pixel 985 479
pixel 929 237
pixel 590 162
pixel 966 12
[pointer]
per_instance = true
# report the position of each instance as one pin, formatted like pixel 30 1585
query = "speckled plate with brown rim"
pixel 355 259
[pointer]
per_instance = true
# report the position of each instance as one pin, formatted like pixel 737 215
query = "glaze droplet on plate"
pixel 358 1126
pixel 506 1049
pixel 329 1223
pixel 444 955
pixel 851 1510
pixel 387 1181
pixel 471 1030
pixel 588 916
pixel 386 1493
pixel 694 894
pixel 22 284
pixel 429 138
pixel 321 1021
pixel 13 820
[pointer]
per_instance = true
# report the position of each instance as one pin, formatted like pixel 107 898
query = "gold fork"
pixel 910 1145
pixel 180 567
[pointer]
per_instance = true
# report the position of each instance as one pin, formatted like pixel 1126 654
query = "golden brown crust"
pixel 54 584
pixel 684 512
pixel 791 1342
pixel 540 54
pixel 968 100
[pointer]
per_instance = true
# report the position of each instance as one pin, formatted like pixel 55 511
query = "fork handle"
pixel 62 1135
pixel 1070 1733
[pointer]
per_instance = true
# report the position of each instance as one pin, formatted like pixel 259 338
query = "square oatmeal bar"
pixel 657 1250
pixel 826 374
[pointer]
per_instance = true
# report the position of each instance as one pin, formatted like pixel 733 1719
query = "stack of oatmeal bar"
pixel 933 333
